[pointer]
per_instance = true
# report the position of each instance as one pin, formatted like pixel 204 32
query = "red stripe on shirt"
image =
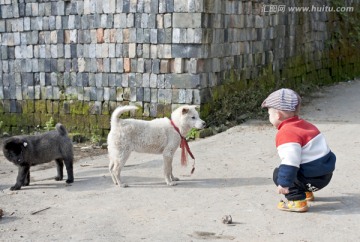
pixel 295 130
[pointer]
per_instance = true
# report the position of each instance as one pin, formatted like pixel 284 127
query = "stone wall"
pixel 75 61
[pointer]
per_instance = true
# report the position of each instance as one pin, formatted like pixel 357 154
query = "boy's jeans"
pixel 304 184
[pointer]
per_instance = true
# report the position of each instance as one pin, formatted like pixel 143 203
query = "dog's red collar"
pixel 185 149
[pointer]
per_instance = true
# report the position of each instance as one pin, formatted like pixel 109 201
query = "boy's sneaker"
pixel 293 206
pixel 309 196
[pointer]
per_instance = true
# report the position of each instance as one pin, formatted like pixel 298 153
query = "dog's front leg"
pixel 169 178
pixel 27 179
pixel 22 175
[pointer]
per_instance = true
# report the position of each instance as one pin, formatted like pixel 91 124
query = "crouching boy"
pixel 307 163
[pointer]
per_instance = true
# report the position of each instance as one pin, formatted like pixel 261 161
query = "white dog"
pixel 157 136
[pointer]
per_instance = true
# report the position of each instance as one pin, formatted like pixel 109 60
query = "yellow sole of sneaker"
pixel 298 206
pixel 297 210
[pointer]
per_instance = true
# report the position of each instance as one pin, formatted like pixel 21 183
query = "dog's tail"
pixel 118 111
pixel 61 129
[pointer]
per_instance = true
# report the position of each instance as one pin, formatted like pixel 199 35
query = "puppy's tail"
pixel 61 129
pixel 118 111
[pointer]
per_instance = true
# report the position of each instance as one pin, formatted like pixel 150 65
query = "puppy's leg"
pixel 59 169
pixel 20 180
pixel 169 177
pixel 69 168
pixel 27 179
pixel 117 162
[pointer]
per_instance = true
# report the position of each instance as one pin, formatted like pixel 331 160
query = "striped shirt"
pixel 302 148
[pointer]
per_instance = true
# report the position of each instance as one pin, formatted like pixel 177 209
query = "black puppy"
pixel 30 150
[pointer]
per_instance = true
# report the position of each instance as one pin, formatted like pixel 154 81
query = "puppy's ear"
pixel 185 110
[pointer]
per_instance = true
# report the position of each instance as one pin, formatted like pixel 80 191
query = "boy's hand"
pixel 283 190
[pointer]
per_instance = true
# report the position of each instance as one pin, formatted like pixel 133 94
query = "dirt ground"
pixel 233 176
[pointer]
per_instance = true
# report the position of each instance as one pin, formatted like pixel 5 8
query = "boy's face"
pixel 274 117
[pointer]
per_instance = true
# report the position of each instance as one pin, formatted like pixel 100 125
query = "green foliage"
pixel 192 134
pixel 236 107
pixel 78 137
pixel 349 26
pixel 50 124
pixel 95 138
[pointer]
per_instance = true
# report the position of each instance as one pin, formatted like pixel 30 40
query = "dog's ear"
pixel 185 110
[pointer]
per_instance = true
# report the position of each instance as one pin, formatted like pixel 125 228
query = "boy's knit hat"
pixel 283 99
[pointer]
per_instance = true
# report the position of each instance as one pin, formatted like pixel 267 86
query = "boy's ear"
pixel 280 115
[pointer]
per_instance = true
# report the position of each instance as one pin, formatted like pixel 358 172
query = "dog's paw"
pixel 69 180
pixel 58 178
pixel 175 178
pixel 15 187
pixel 171 183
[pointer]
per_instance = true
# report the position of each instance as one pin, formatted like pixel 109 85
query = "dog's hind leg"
pixel 20 180
pixel 69 168
pixel 59 169
pixel 117 162
pixel 111 167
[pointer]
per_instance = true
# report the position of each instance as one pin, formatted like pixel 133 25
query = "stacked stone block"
pixel 77 60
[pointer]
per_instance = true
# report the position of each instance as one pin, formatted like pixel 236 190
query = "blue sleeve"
pixel 287 175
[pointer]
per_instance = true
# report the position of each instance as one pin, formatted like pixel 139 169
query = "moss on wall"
pixel 240 97
pixel 233 102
